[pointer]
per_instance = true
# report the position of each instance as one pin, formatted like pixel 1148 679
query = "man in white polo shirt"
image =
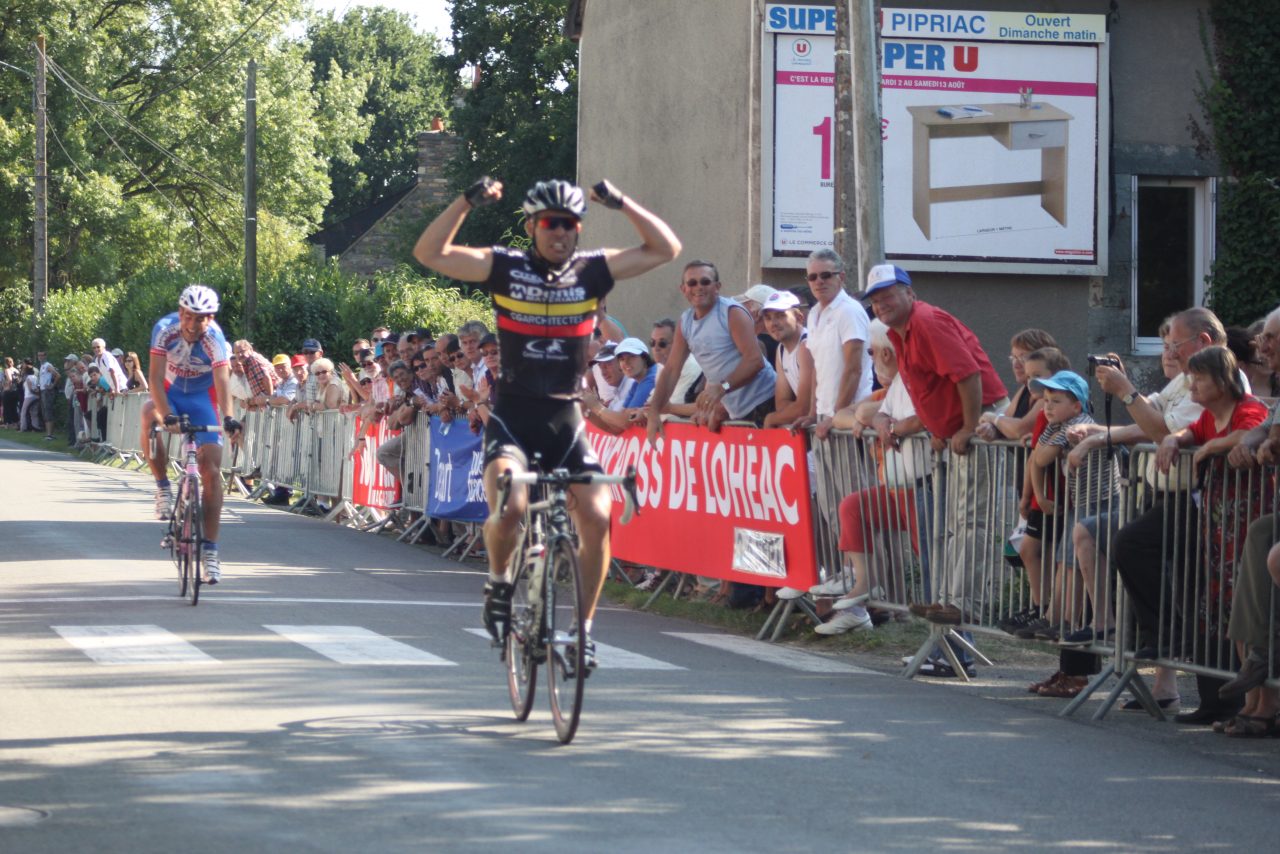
pixel 838 335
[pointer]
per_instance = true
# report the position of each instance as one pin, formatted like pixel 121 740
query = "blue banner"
pixel 456 473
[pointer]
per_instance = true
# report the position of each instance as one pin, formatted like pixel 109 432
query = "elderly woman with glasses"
pixel 329 392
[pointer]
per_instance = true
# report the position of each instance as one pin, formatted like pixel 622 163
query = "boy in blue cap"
pixel 1066 398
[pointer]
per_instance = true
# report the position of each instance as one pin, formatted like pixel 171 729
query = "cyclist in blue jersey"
pixel 546 300
pixel 190 375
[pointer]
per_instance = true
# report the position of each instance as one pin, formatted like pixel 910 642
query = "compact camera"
pixel 1095 361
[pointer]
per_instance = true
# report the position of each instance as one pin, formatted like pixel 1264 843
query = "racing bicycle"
pixel 547 606
pixel 185 532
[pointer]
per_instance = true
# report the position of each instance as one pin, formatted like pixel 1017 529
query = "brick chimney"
pixel 435 149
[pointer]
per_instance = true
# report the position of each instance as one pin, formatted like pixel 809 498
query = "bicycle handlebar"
pixel 184 425
pixel 562 478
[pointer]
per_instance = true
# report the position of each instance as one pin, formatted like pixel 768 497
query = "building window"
pixel 1172 251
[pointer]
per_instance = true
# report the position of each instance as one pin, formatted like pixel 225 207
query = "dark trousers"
pixel 1144 548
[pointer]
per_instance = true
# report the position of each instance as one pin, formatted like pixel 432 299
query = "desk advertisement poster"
pixel 990 126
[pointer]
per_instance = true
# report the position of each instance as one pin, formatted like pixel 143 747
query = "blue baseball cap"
pixel 883 276
pixel 312 344
pixel 1068 381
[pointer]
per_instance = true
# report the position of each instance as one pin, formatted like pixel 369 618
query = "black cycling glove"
pixel 609 195
pixel 475 194
pixel 171 420
pixel 230 425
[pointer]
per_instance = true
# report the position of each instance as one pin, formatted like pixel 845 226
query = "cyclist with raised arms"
pixel 546 301
pixel 190 375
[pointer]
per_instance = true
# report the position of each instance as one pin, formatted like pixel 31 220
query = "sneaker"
pixel 848 602
pixel 212 567
pixel 835 586
pixel 944 670
pixel 789 593
pixel 854 618
pixel 1087 636
pixel 649 581
pixel 164 503
pixel 1032 628
pixel 497 608
pixel 48 438
pixel 1013 622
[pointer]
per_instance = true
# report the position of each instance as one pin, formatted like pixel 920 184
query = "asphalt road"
pixel 332 696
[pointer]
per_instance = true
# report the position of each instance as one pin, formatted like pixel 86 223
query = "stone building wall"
pixel 389 241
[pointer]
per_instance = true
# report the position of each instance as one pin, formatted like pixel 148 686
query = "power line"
pixel 16 68
pixel 142 173
pixel 78 89
pixel 74 164
pixel 212 62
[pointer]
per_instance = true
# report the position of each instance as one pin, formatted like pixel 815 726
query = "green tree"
pixel 1244 130
pixel 146 116
pixel 519 121
pixel 407 84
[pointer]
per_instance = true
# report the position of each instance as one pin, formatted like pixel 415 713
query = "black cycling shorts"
pixel 553 428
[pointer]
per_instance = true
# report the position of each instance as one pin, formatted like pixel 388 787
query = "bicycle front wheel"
pixel 192 524
pixel 565 617
pixel 177 545
pixel 524 640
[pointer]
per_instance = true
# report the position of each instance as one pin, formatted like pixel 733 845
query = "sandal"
pixel 1036 687
pixel 1249 726
pixel 1065 688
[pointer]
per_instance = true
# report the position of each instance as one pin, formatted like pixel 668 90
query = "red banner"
pixel 733 505
pixel 372 485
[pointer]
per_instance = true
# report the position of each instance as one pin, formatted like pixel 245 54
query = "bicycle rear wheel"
pixel 564 615
pixel 524 640
pixel 191 537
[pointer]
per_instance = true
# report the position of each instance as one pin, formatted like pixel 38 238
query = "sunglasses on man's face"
pixel 309 352
pixel 561 223
pixel 704 281
pixel 824 275
pixel 660 344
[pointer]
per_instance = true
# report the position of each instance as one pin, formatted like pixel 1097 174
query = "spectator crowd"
pixel 814 358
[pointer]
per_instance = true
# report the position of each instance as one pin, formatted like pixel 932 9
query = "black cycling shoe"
pixel 497 608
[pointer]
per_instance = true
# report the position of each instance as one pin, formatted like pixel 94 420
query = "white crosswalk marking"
pixel 356 645
pixel 771 654
pixel 132 645
pixel 612 657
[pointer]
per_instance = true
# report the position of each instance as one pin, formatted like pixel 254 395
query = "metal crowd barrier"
pixel 908 529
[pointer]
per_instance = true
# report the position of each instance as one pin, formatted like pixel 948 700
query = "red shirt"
pixel 1249 413
pixel 1042 422
pixel 935 353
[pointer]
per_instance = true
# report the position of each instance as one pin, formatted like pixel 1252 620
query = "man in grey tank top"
pixel 721 336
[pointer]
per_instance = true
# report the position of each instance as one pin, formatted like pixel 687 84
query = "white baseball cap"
pixel 757 293
pixel 634 346
pixel 780 301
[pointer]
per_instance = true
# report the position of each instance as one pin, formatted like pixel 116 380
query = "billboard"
pixel 800 64
pixel 990 125
pixel 991 128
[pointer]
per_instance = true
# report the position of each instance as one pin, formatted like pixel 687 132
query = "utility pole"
pixel 868 152
pixel 40 261
pixel 844 232
pixel 250 199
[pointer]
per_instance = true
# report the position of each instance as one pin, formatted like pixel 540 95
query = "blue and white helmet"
pixel 199 299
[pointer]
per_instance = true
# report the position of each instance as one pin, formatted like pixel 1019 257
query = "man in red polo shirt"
pixel 951 383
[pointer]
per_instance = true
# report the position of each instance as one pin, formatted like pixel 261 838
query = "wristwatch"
pixel 725 385
pixel 1129 398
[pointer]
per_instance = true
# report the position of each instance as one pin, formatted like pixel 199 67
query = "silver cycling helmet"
pixel 555 196
pixel 200 299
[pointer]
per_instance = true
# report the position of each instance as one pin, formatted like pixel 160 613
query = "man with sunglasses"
pixel 838 331
pixel 720 334
pixel 546 300
pixel 310 391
